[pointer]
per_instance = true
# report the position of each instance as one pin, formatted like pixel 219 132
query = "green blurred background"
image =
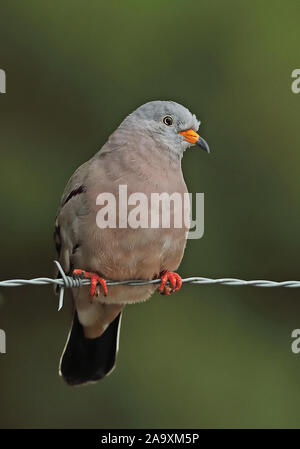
pixel 211 356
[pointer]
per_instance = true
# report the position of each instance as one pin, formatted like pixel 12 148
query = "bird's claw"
pixel 95 280
pixel 174 280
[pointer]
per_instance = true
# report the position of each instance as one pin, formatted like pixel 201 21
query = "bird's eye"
pixel 168 120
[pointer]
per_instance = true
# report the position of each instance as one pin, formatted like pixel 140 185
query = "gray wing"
pixel 73 207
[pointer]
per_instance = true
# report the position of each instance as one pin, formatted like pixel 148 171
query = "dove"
pixel 144 154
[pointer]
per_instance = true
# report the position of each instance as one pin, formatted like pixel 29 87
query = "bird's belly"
pixel 135 254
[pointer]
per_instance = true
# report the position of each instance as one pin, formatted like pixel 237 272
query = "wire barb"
pixel 66 281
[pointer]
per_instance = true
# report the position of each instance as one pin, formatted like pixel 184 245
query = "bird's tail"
pixel 87 360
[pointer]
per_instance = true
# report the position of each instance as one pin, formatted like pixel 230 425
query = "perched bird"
pixel 144 154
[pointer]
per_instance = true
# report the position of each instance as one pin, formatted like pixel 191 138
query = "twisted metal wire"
pixel 71 282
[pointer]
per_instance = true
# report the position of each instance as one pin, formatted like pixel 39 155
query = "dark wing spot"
pixel 75 248
pixel 57 240
pixel 74 192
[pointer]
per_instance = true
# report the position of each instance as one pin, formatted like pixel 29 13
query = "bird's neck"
pixel 143 148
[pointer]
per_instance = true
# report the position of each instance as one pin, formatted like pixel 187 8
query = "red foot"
pixel 175 283
pixel 95 279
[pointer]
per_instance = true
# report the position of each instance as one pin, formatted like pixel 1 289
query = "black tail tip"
pixel 88 360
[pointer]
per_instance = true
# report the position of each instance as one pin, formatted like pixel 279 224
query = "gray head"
pixel 168 123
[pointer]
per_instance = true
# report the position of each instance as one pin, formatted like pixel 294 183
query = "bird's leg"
pixel 174 280
pixel 95 280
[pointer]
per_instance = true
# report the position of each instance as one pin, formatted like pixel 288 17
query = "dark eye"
pixel 168 120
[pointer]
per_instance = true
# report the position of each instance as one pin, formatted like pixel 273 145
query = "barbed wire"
pixel 71 282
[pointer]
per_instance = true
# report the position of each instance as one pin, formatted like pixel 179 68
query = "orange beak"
pixel 192 137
